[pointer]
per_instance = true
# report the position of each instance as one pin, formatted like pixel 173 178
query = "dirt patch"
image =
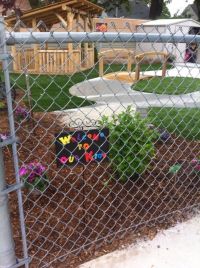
pixel 78 217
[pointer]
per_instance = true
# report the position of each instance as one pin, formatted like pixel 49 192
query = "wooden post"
pixel 101 73
pixel 164 66
pixel 70 63
pixel 85 49
pixel 78 18
pixel 92 60
pixel 15 59
pixel 129 62
pixel 35 49
pixel 137 70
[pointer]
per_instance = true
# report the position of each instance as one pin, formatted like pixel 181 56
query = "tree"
pixel 165 12
pixel 197 3
pixel 112 4
pixel 158 8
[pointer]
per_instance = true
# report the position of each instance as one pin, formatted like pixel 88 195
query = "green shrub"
pixel 131 143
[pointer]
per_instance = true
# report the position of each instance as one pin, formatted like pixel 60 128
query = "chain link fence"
pixel 100 137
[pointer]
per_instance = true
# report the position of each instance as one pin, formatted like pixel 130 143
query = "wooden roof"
pixel 47 13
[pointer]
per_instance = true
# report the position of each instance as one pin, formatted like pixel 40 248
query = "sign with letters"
pixel 82 147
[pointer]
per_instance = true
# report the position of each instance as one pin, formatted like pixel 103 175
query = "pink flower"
pixel 197 168
pixel 33 175
pixel 194 161
pixel 23 171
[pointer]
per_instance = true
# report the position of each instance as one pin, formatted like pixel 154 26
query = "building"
pixel 168 26
pixel 136 9
pixel 116 52
pixel 191 12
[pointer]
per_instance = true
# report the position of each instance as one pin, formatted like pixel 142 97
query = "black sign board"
pixel 82 147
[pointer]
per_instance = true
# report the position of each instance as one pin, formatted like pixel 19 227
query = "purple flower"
pixel 196 165
pixel 31 178
pixel 21 113
pixel 164 136
pixel 3 137
pixel 197 168
pixel 33 175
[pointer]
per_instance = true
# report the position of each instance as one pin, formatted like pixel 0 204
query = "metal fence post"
pixel 13 262
pixel 7 252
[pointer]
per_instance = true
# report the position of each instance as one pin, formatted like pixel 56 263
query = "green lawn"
pixel 51 92
pixel 183 122
pixel 168 85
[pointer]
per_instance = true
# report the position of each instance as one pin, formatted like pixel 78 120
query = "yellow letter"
pixel 65 140
pixel 79 146
pixel 71 159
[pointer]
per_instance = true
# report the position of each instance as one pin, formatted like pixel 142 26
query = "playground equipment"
pixel 118 53
pixel 129 76
pixel 140 57
pixel 72 16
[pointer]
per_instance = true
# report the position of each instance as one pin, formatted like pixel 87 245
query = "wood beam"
pixel 72 2
pixel 61 19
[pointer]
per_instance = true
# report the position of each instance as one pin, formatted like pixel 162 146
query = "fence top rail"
pixel 76 37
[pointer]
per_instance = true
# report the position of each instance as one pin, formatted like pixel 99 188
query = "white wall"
pixel 144 47
pixel 178 50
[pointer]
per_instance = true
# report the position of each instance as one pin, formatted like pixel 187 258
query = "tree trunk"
pixel 155 9
pixel 197 3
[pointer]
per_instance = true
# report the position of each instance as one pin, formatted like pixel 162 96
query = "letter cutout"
pixel 65 140
pixel 89 156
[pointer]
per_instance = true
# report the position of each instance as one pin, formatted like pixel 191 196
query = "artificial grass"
pixel 183 122
pixel 51 92
pixel 168 85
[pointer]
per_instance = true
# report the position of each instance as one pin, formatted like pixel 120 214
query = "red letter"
pixel 89 156
pixel 95 137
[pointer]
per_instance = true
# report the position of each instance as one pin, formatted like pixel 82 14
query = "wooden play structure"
pixel 68 15
pixel 152 54
pixel 130 76
pixel 128 53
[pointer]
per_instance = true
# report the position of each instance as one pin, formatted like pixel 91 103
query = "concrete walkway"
pixel 177 247
pixel 113 96
pixel 115 91
pixel 106 91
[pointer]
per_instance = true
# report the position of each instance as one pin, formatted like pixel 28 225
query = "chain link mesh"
pixel 145 179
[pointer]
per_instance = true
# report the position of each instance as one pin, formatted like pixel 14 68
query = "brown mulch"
pixel 78 217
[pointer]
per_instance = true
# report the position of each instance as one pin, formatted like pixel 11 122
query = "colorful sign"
pixel 101 27
pixel 82 147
